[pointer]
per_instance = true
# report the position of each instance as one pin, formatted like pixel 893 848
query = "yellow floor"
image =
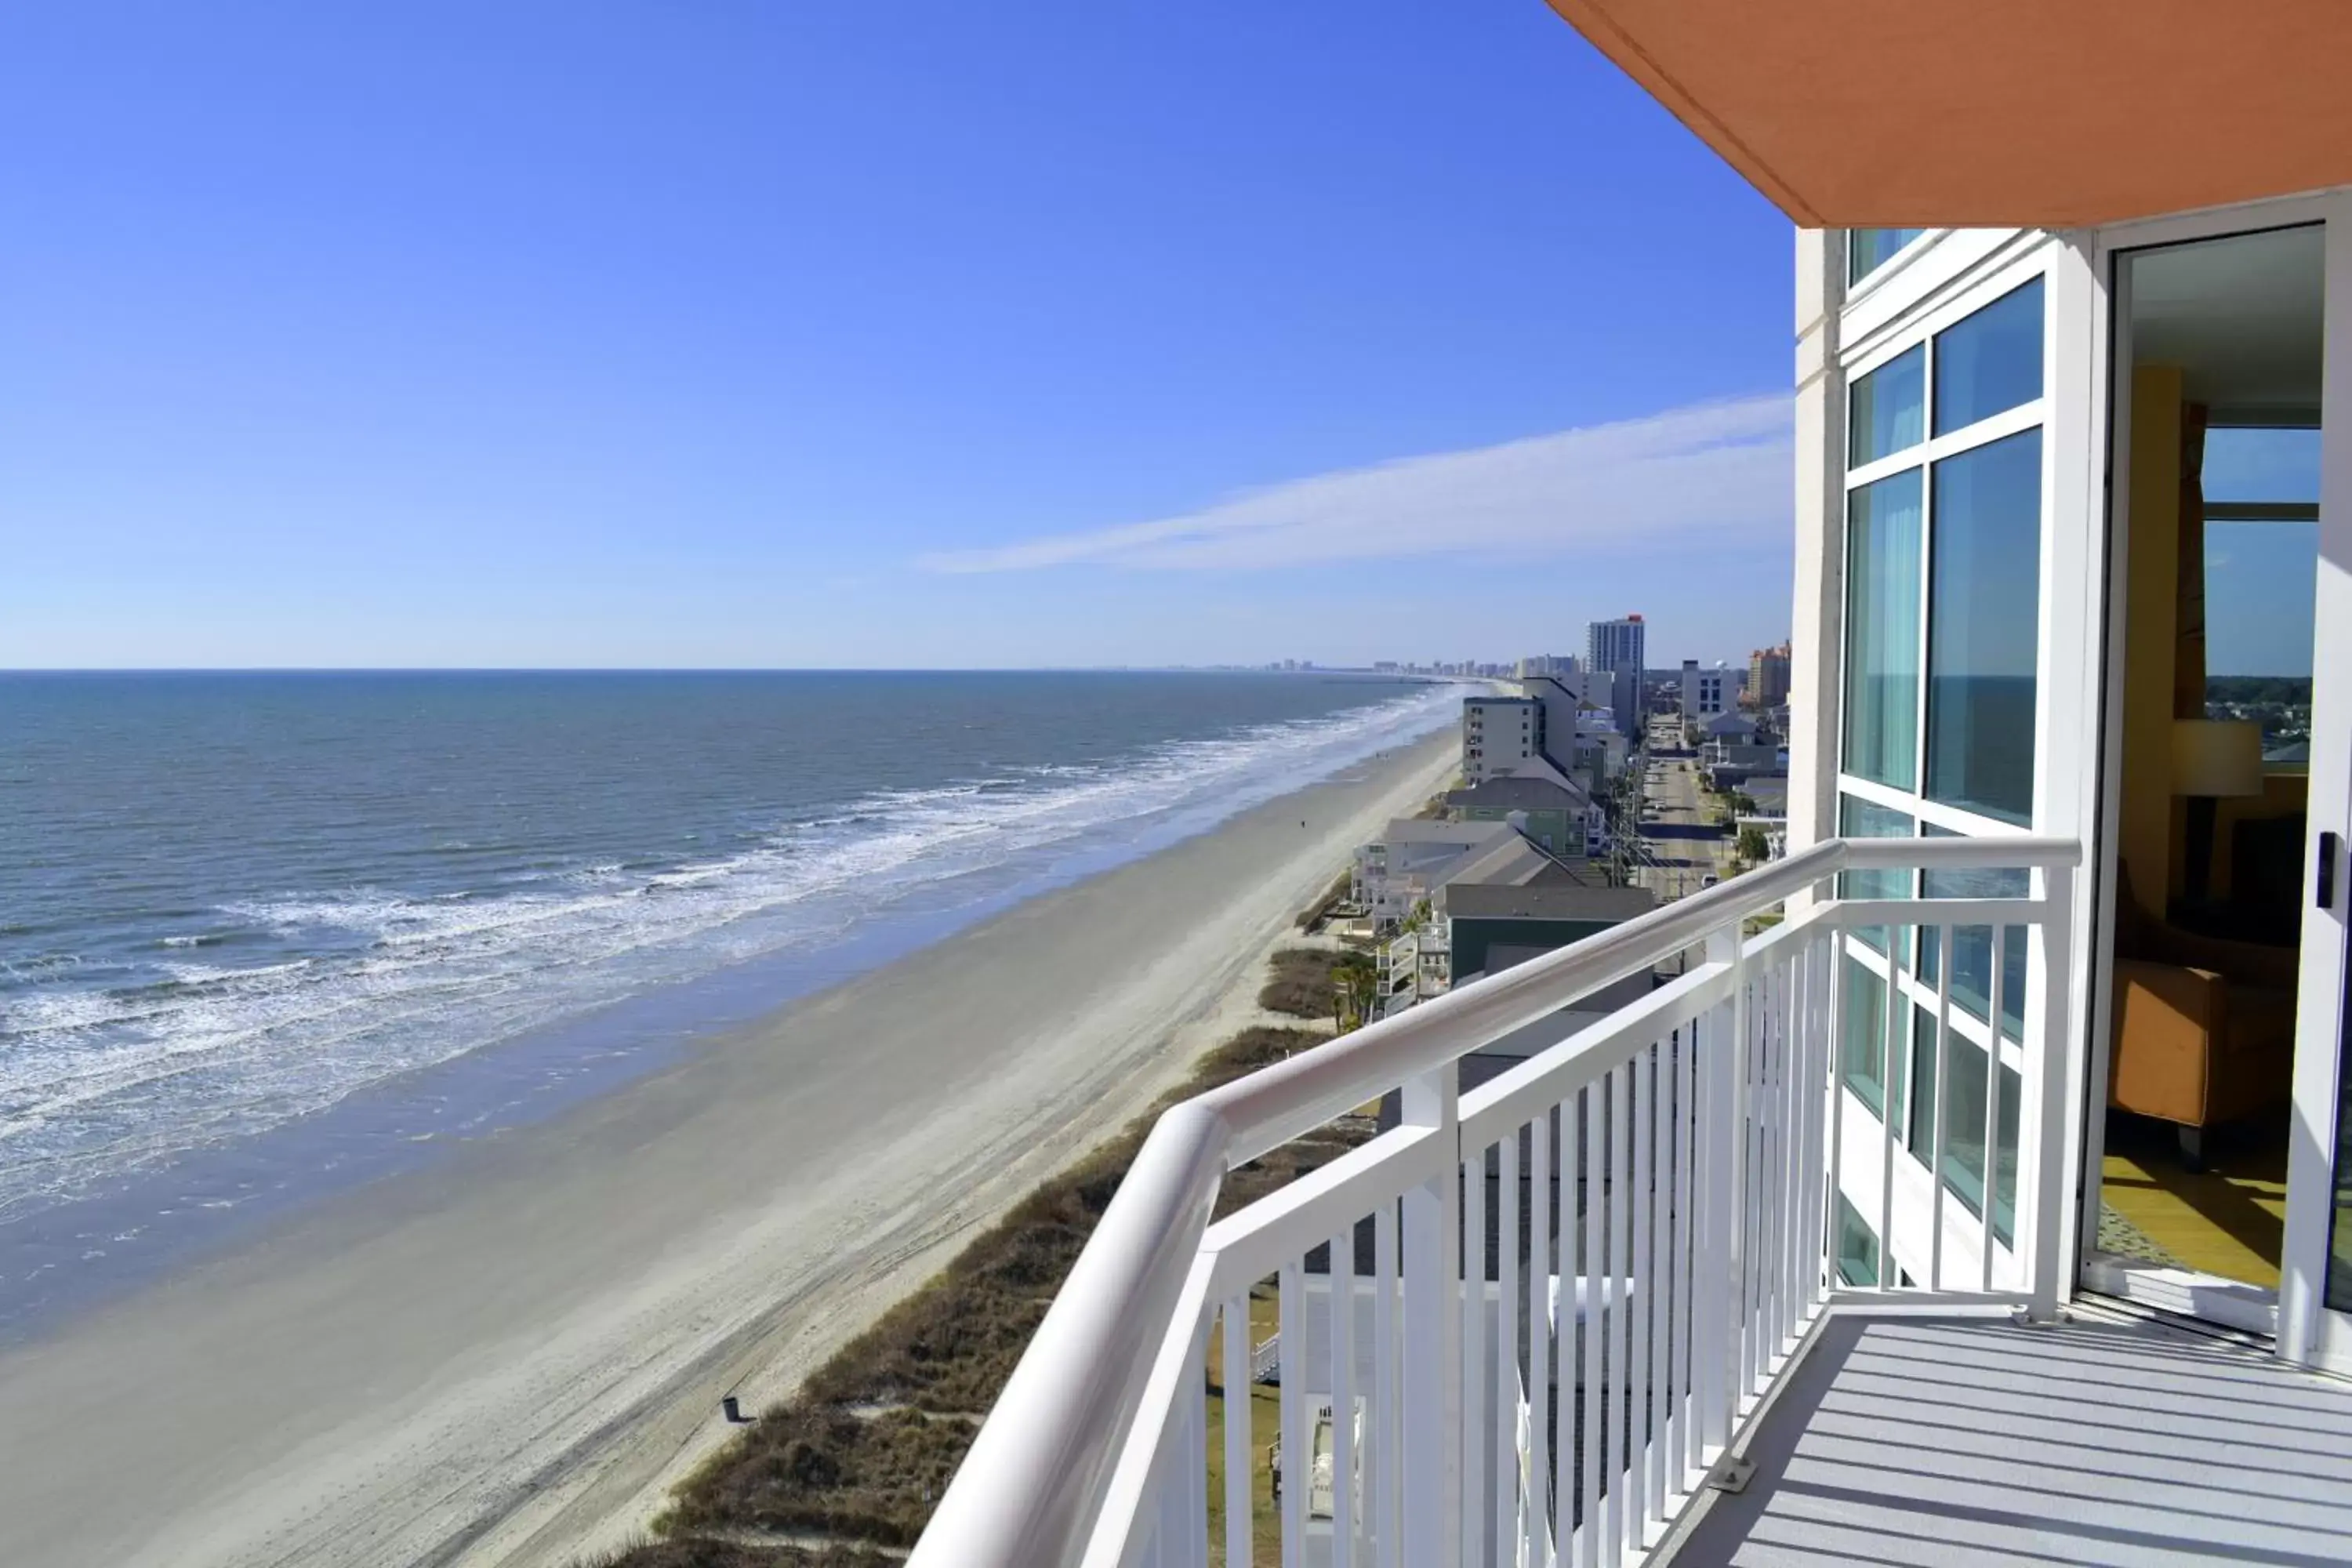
pixel 2227 1220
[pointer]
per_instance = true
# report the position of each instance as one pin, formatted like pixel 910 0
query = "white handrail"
pixel 1039 1470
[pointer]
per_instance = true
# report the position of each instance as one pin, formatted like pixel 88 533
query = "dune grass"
pixel 861 1454
pixel 1301 983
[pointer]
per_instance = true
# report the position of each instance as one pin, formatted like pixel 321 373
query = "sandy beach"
pixel 508 1357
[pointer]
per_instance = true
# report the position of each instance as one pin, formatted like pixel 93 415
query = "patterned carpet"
pixel 2120 1237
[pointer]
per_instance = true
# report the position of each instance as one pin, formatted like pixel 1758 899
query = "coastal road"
pixel 508 1357
pixel 1679 846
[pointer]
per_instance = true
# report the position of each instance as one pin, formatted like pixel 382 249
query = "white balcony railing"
pixel 1662 1188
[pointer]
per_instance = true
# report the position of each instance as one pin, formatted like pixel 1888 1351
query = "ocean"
pixel 264 933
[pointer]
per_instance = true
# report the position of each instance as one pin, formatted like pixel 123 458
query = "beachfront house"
pixel 1558 814
pixel 1505 901
pixel 1992 1203
pixel 1389 878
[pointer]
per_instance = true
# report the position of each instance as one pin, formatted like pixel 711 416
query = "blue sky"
pixel 926 334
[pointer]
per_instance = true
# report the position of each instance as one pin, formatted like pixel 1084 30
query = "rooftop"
pixel 1521 790
pixel 1424 830
pixel 1543 901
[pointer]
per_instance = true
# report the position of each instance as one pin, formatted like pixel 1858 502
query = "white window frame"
pixel 1942 280
pixel 2305 1329
pixel 1920 331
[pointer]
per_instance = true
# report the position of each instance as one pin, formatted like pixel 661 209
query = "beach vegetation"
pixel 860 1455
pixel 1300 983
pixel 1356 987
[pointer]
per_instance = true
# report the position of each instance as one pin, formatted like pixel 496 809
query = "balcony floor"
pixel 2110 1440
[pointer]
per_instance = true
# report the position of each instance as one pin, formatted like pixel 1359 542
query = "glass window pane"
pixel 1868 249
pixel 1990 360
pixel 1918 1096
pixel 2004 1176
pixel 2260 579
pixel 1864 1029
pixel 2260 463
pixel 1863 819
pixel 1857 1247
pixel 1886 410
pixel 1983 627
pixel 1972 946
pixel 1964 1122
pixel 1881 639
pixel 1964 1131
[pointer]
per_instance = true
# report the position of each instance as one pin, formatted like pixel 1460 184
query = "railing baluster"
pixel 1507 1456
pixel 1796 1044
pixel 1342 1276
pixel 1688 1422
pixel 1659 1281
pixel 2045 1086
pixel 1192 1450
pixel 1833 1188
pixel 1766 1140
pixel 1387 1490
pixel 1739 1175
pixel 1430 1386
pixel 1617 1373
pixel 1715 1272
pixel 1297 1442
pixel 1539 1391
pixel 1887 1112
pixel 1473 1368
pixel 1576 1144
pixel 1239 1503
pixel 1753 1103
pixel 1818 1091
pixel 1991 1184
pixel 1640 1382
pixel 1592 1320
pixel 1784 1169
pixel 1938 1106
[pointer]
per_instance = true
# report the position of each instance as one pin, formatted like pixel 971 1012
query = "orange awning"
pixel 2041 114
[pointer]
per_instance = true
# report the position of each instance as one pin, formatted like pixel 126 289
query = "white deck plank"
pixel 1945 1441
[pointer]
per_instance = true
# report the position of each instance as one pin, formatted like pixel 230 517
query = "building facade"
pixel 1498 732
pixel 1768 677
pixel 1706 693
pixel 2020 453
pixel 1617 647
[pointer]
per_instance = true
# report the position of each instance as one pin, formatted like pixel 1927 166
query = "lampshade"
pixel 2217 757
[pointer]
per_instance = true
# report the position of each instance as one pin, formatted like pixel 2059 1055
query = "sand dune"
pixel 506 1358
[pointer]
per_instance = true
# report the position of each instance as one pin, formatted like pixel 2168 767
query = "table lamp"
pixel 2212 758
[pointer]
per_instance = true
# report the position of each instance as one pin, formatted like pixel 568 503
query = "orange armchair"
pixel 2204 1028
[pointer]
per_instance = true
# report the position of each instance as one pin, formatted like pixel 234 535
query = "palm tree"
pixel 1355 982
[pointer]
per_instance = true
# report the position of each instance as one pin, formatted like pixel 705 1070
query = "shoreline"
pixel 511 1356
pixel 124 1230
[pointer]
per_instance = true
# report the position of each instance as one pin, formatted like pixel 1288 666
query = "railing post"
pixel 1433 1330
pixel 2048 1056
pixel 1716 1291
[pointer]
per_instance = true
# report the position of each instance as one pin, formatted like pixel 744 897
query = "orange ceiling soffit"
pixel 1859 113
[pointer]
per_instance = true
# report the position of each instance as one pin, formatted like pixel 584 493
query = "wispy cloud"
pixel 1708 471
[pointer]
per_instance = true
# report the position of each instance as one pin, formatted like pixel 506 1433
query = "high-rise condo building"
pixel 1617 646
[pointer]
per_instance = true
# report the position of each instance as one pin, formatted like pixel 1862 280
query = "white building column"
pixel 1817 626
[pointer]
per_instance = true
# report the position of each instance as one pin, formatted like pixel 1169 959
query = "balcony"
pixel 1598 1308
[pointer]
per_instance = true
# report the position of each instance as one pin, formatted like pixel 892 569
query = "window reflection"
pixel 1983 627
pixel 1990 362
